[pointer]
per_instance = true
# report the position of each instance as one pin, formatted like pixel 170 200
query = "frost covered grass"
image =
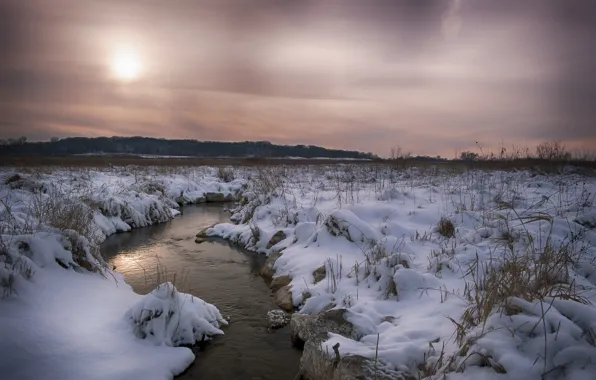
pixel 444 271
pixel 64 313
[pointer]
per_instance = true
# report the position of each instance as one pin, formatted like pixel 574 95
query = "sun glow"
pixel 126 65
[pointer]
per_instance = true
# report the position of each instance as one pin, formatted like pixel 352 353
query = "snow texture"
pixel 168 317
pixel 375 230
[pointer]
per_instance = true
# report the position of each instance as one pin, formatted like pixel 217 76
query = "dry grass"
pixel 12 267
pixel 225 174
pixel 159 274
pixel 533 275
pixel 64 214
pixel 446 228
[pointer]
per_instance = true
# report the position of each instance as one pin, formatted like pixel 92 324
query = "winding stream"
pixel 220 274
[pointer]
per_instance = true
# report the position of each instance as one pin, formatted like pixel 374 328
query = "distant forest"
pixel 163 147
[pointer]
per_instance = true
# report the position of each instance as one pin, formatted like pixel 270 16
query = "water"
pixel 220 274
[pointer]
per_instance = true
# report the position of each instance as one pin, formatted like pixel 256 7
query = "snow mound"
pixel 566 326
pixel 168 317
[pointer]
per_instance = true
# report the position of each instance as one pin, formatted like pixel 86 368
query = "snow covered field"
pixel 63 313
pixel 473 274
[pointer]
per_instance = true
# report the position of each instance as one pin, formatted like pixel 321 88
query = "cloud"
pixel 452 20
pixel 429 75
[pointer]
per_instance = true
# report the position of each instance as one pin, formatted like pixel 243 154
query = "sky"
pixel 433 77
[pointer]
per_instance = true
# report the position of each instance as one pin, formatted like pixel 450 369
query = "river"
pixel 220 274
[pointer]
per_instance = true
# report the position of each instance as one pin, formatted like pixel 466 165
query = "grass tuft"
pixel 446 228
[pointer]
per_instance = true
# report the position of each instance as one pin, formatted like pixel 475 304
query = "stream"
pixel 220 274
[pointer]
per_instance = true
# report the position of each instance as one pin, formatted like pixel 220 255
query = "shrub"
pixel 468 156
pixel 552 151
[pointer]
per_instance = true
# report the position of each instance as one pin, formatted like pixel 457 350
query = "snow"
pixel 375 230
pixel 68 325
pixel 168 317
pixel 63 313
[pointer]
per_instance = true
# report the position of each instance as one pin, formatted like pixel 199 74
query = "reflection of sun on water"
pixel 126 65
pixel 133 262
pixel 143 268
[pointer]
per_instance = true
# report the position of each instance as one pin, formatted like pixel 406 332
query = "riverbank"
pixel 64 312
pixel 463 274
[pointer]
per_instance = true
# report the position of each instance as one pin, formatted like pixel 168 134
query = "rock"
pixel 283 298
pixel 279 236
pixel 319 274
pixel 267 271
pixel 315 328
pixel 200 240
pixel 215 197
pixel 277 319
pixel 309 332
pixel 203 233
pixel 298 324
pixel 279 282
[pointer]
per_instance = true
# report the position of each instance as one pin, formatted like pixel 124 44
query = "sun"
pixel 126 65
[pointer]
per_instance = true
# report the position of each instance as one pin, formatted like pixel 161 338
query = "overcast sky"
pixel 430 76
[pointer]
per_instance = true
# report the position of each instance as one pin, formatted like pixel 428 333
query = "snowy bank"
pixel 63 313
pixel 474 274
pixel 69 325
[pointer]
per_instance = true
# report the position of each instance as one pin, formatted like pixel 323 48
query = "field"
pixel 463 270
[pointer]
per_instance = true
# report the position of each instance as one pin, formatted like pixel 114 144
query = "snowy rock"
pixel 279 282
pixel 319 274
pixel 283 298
pixel 277 318
pixel 279 236
pixel 167 317
pixel 316 328
pixel 346 223
pixel 309 332
pixel 202 234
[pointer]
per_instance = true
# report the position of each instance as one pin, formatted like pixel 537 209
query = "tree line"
pixel 162 147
